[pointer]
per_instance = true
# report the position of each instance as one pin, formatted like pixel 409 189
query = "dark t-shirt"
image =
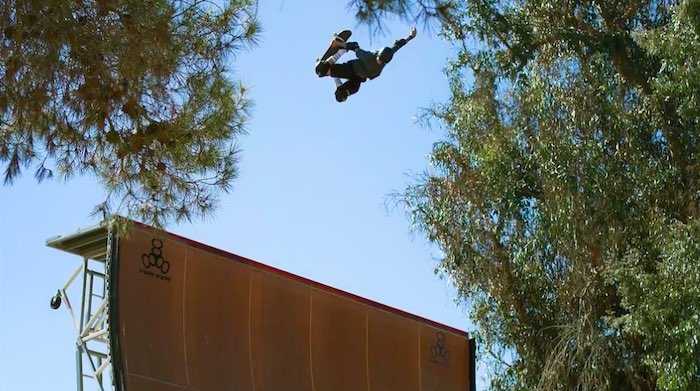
pixel 367 66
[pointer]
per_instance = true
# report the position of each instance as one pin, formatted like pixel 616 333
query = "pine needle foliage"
pixel 135 93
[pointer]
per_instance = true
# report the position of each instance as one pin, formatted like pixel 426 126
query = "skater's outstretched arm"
pixel 355 47
pixel 402 41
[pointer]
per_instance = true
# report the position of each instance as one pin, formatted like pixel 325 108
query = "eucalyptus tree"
pixel 564 193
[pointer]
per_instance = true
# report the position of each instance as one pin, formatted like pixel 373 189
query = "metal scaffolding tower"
pixel 90 317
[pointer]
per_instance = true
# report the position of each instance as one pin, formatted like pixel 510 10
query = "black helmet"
pixel 385 55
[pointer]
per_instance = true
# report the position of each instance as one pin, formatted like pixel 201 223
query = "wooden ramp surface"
pixel 191 317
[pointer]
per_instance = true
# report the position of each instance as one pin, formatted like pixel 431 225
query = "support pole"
pixel 82 306
pixel 89 296
pixel 79 367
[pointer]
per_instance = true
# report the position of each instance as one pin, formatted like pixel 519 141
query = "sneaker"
pixel 341 95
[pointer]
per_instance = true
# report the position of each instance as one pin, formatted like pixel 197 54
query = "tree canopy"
pixel 565 192
pixel 136 93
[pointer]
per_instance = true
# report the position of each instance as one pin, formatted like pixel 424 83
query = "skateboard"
pixel 342 36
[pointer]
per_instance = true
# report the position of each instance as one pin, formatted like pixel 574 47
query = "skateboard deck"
pixel 341 36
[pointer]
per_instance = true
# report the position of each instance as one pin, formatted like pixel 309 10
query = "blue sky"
pixel 311 197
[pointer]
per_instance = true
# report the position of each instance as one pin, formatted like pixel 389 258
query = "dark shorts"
pixel 346 71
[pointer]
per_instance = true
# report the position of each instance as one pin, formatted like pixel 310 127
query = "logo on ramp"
pixel 439 353
pixel 155 260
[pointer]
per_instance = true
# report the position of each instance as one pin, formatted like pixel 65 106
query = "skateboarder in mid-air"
pixel 367 65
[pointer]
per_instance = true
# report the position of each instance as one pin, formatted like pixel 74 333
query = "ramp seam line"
pixel 311 353
pixel 367 348
pixel 184 316
pixel 250 329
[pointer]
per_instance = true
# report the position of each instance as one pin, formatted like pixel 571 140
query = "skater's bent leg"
pixel 346 89
pixel 342 71
pixel 353 85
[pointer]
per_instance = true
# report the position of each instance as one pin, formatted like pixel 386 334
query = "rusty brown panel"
pixel 338 343
pixel 444 364
pixel 217 322
pixel 256 316
pixel 135 382
pixel 150 306
pixel 393 352
pixel 280 334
